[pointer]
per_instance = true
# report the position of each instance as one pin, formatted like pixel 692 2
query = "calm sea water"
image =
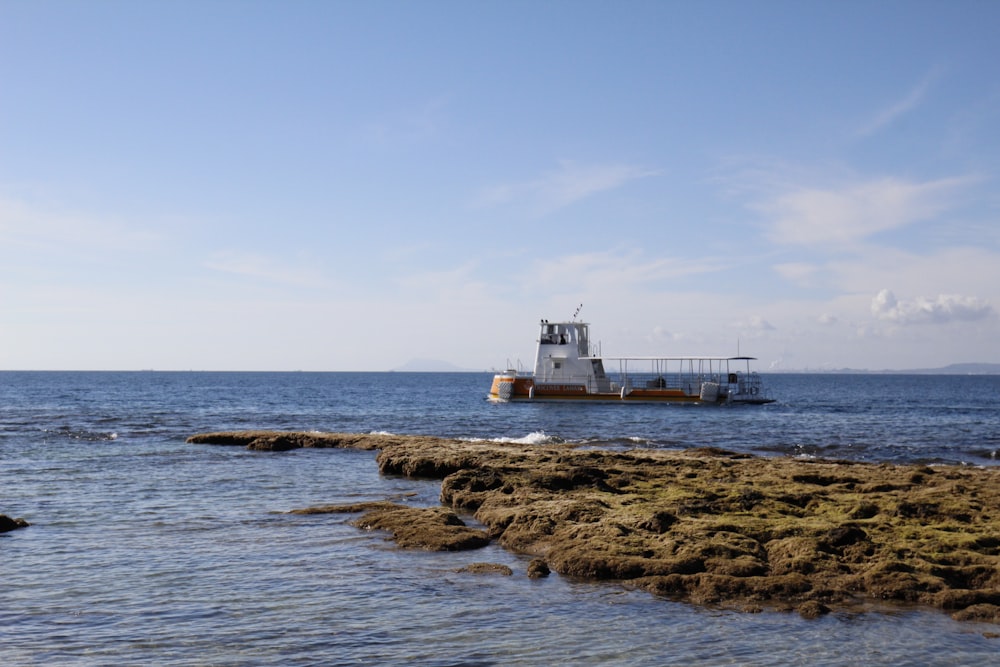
pixel 147 550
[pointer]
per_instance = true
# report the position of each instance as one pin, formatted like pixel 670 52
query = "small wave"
pixel 620 444
pixel 82 434
pixel 992 456
pixel 535 438
pixel 543 438
pixel 381 433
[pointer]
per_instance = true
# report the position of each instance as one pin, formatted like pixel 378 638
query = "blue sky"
pixel 352 185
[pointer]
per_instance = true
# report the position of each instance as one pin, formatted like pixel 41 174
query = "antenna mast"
pixel 577 312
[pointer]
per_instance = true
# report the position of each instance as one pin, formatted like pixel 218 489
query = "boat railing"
pixel 750 384
pixel 689 383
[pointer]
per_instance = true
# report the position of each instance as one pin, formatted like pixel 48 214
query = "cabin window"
pixel 554 334
pixel 557 365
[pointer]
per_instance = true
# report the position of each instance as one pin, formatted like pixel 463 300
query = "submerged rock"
pixel 487 568
pixel 710 526
pixel 429 528
pixel 8 524
pixel 434 528
pixel 281 441
pixel 538 568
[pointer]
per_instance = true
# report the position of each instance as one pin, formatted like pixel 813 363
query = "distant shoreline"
pixel 951 369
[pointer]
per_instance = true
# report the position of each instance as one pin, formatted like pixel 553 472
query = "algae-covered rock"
pixel 429 528
pixel 281 441
pixel 487 568
pixel 538 568
pixel 711 526
pixel 433 529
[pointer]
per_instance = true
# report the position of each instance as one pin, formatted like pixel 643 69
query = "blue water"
pixel 147 550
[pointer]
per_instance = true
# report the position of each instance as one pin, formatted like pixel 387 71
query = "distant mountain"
pixel 960 369
pixel 951 369
pixel 429 366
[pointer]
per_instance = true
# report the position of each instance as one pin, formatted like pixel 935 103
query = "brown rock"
pixel 988 613
pixel 433 529
pixel 710 526
pixel 813 609
pixel 8 524
pixel 280 441
pixel 487 568
pixel 538 568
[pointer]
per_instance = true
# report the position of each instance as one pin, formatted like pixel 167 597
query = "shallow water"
pixel 145 549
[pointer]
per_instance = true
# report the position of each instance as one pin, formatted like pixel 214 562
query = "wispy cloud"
pixel 615 270
pixel 411 124
pixel 261 267
pixel 438 280
pixel 797 272
pixel 940 310
pixel 814 216
pixel 900 107
pixel 26 224
pixel 565 185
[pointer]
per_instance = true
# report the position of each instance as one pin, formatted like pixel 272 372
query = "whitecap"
pixel 535 438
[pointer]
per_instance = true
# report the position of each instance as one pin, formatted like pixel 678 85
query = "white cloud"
pixel 814 216
pixel 660 334
pixel 942 309
pixel 561 187
pixel 760 324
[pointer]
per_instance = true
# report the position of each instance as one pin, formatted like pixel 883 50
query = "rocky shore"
pixel 706 526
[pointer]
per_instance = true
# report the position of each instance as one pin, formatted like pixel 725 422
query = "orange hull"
pixel 512 388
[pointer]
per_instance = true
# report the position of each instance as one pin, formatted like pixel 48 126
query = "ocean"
pixel 146 550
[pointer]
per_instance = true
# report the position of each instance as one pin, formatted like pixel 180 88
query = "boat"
pixel 567 368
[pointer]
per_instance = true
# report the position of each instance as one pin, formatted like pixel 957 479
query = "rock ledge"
pixel 707 526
